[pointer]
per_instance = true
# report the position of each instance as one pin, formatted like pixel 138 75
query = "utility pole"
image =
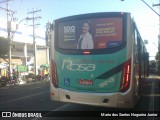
pixel 158 53
pixel 34 41
pixel 154 5
pixel 48 40
pixel 8 32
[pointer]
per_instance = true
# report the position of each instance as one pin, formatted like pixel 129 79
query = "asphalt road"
pixel 29 97
pixel 35 97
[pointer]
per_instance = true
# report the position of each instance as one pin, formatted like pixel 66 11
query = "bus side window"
pixel 139 47
pixel 136 46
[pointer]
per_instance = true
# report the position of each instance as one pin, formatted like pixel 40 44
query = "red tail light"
pixel 86 52
pixel 125 79
pixel 54 74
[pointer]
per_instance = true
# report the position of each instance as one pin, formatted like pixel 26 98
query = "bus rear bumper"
pixel 96 99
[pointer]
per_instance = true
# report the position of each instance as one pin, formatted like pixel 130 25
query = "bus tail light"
pixel 54 74
pixel 86 52
pixel 125 78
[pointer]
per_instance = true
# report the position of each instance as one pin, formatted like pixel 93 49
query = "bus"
pixel 98 59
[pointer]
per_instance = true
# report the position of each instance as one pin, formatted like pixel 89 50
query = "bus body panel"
pixel 80 73
pixel 116 100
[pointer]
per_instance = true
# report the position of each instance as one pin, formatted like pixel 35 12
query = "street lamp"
pixel 17 25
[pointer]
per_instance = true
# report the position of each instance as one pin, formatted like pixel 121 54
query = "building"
pixel 22 44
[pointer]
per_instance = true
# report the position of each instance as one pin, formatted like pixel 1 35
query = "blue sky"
pixel 147 21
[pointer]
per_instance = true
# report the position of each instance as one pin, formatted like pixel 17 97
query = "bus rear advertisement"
pixel 97 59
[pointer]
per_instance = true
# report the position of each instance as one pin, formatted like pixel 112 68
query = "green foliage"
pixel 4 46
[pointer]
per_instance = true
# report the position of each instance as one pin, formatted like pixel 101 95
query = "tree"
pixel 157 57
pixel 4 46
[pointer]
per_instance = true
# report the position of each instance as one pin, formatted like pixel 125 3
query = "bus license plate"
pixel 85 82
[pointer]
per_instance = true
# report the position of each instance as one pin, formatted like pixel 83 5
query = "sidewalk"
pixel 153 76
pixel 152 79
pixel 34 82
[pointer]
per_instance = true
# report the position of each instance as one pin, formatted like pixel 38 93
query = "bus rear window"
pixel 99 33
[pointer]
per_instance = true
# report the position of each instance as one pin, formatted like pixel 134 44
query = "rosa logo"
pixel 67 64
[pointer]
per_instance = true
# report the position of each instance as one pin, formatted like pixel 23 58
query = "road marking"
pixel 151 104
pixel 62 107
pixel 147 84
pixel 154 77
pixel 151 107
pixel 23 97
pixel 151 95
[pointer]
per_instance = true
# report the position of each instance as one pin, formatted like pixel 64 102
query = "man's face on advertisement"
pixel 85 27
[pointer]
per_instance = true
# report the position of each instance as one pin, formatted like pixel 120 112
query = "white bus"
pixel 98 59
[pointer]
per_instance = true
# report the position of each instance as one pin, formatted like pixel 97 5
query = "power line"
pixel 150 7
pixel 5 1
pixel 7 10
